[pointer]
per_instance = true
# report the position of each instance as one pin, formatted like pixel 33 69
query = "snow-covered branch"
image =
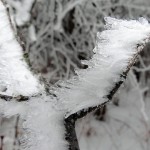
pixel 116 52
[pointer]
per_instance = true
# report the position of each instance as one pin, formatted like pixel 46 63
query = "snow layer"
pixel 114 49
pixel 15 77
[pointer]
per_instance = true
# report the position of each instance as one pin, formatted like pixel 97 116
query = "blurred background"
pixel 57 35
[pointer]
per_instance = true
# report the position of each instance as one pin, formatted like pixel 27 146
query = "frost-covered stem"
pixel 12 26
pixel 70 121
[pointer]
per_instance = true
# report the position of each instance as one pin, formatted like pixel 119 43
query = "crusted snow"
pixel 115 47
pixel 15 77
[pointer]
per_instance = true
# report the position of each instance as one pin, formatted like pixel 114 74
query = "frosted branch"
pixel 128 52
pixel 47 114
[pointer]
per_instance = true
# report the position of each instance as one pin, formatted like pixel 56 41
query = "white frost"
pixel 15 77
